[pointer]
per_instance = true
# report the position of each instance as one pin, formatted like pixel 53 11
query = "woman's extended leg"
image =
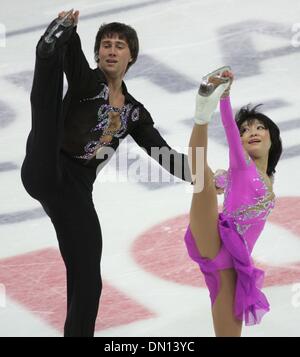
pixel 225 323
pixel 204 208
pixel 204 227
pixel 204 218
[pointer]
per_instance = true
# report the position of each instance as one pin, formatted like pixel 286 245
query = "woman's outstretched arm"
pixel 237 155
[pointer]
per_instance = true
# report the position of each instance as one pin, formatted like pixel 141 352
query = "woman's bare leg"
pixel 225 323
pixel 204 208
pixel 204 227
pixel 204 215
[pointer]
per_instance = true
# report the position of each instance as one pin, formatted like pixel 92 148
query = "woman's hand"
pixel 216 80
pixel 220 179
pixel 227 74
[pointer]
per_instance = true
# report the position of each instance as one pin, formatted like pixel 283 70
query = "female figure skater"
pixel 60 165
pixel 222 243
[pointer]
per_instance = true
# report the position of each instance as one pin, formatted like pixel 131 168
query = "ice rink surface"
pixel 151 288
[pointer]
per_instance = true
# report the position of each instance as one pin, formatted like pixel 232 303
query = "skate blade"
pixel 218 73
pixel 65 21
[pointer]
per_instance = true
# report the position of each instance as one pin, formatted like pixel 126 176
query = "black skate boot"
pixel 57 33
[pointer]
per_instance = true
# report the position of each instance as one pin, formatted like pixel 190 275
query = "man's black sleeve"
pixel 149 138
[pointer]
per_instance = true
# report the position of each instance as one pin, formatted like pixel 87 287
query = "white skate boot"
pixel 212 87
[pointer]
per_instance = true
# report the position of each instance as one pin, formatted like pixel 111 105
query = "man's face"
pixel 114 56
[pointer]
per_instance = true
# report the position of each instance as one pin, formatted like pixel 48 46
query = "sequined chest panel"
pixel 259 205
pixel 111 123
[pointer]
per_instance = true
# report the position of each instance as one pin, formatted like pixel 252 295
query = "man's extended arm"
pixel 149 138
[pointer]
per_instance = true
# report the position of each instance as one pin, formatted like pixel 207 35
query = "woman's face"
pixel 255 138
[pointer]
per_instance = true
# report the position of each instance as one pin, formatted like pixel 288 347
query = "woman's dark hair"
pixel 124 32
pixel 249 114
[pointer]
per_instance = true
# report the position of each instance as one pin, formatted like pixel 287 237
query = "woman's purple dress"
pixel 247 203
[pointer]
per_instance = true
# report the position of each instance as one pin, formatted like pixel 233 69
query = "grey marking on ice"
pixel 290 124
pixel 290 152
pixel 7 115
pixel 161 75
pixel 7 166
pixel 21 79
pixel 21 216
pixel 238 46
